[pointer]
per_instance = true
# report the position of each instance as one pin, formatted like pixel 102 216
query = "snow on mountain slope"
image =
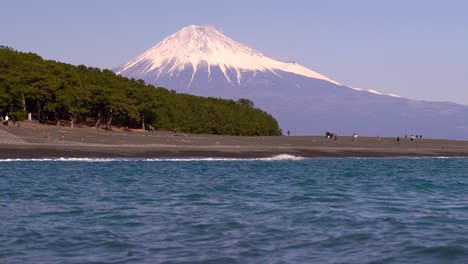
pixel 374 92
pixel 196 46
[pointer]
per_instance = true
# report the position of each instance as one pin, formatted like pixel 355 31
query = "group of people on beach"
pixel 355 136
pixel 6 120
pixel 412 137
pixel 330 135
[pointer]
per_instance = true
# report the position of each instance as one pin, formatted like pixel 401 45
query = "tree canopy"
pixel 58 92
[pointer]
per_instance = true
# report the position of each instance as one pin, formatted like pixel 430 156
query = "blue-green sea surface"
pixel 395 210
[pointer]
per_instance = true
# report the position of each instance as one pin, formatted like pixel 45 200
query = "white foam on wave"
pixel 461 157
pixel 193 159
pixel 282 157
pixel 65 160
pixel 279 157
pixel 433 157
pixel 273 158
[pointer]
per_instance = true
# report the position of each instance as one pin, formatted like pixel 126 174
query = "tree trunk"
pixel 39 113
pixel 109 122
pixel 143 125
pixel 98 121
pixel 23 100
pixel 57 119
pixel 72 123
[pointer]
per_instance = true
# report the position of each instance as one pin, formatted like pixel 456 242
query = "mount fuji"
pixel 202 61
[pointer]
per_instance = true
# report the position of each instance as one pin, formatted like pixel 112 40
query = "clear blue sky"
pixel 417 49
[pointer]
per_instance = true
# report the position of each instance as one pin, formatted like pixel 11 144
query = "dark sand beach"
pixel 33 140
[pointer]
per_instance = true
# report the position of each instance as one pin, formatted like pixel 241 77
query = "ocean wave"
pixel 401 157
pixel 461 157
pixel 432 157
pixel 194 159
pixel 272 158
pixel 279 157
pixel 65 160
pixel 282 157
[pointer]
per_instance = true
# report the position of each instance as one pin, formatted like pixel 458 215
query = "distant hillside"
pixel 59 92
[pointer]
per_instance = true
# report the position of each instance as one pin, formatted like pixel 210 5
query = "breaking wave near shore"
pixel 279 157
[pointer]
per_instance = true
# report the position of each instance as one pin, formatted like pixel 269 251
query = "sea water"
pixel 278 210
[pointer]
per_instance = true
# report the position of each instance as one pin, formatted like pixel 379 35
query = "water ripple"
pixel 282 210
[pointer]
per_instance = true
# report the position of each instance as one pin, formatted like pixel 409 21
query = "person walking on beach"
pixel 398 139
pixel 288 133
pixel 6 120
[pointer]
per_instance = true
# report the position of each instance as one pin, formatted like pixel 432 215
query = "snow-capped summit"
pixel 194 47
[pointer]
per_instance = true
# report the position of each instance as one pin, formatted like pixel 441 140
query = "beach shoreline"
pixel 39 141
